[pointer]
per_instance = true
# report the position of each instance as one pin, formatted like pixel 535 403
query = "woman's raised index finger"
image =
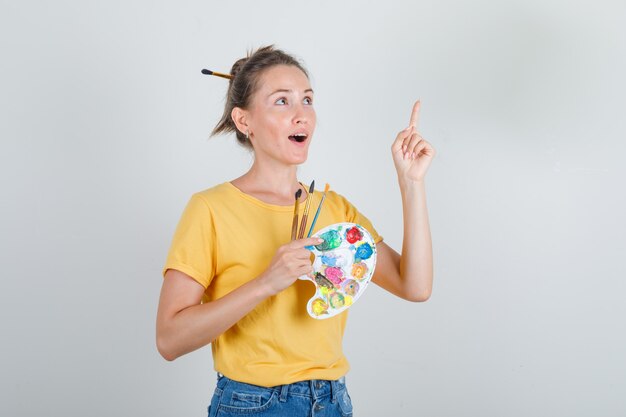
pixel 415 114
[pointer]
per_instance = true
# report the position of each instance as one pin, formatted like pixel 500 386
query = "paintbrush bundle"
pixel 305 216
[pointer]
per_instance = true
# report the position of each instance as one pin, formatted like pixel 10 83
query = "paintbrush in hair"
pixel 306 210
pixel 294 224
pixel 317 213
pixel 217 74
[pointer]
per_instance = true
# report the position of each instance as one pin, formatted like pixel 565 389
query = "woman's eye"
pixel 281 101
pixel 308 100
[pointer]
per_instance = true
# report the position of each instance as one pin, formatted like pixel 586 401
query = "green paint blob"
pixel 332 240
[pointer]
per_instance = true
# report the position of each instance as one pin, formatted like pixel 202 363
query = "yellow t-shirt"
pixel 226 238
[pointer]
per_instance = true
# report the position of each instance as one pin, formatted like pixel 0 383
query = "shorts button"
pixel 319 385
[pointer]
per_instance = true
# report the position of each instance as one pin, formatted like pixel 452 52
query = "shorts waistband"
pixel 313 388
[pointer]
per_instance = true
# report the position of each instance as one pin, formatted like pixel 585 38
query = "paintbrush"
pixel 294 225
pixel 306 210
pixel 217 74
pixel 317 213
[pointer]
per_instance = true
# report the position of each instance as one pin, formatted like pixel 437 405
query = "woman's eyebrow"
pixel 282 90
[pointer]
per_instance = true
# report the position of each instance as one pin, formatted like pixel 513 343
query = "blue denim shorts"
pixel 316 397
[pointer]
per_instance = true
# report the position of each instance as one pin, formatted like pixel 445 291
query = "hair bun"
pixel 237 66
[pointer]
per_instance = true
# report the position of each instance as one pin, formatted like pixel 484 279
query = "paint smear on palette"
pixel 343 266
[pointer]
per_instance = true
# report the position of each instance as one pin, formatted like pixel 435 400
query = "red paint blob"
pixel 354 235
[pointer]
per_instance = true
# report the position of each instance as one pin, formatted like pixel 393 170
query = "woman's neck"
pixel 271 183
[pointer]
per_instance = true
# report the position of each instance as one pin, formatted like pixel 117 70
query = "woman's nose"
pixel 300 115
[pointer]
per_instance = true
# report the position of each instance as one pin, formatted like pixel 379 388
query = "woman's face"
pixel 281 117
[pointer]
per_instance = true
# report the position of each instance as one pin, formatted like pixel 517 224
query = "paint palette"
pixel 343 266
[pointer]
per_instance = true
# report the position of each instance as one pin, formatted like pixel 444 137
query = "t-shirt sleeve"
pixel 355 216
pixel 193 246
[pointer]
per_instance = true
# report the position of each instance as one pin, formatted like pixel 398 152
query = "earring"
pixel 247 135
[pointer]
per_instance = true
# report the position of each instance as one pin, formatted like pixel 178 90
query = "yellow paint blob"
pixel 319 307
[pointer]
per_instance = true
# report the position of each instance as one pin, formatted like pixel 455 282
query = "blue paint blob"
pixel 329 260
pixel 363 252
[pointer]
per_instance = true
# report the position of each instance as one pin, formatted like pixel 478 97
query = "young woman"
pixel 230 278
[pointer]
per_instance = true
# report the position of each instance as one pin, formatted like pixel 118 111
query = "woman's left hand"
pixel 412 155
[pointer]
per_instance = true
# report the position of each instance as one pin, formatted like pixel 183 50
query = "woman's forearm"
pixel 416 262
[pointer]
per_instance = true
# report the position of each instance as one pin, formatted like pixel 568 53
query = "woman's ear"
pixel 240 117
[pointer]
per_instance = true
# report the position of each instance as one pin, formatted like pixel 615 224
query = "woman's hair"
pixel 246 73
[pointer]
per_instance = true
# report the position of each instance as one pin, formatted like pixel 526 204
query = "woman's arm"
pixel 409 276
pixel 184 325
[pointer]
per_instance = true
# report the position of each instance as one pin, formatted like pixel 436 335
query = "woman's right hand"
pixel 291 261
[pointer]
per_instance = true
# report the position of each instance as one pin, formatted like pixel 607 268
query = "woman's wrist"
pixel 406 183
pixel 263 286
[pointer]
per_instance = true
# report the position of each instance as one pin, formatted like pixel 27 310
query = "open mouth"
pixel 298 137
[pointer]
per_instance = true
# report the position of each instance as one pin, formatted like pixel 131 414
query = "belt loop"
pixel 284 390
pixel 333 391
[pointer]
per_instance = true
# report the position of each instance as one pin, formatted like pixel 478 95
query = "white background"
pixel 105 119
